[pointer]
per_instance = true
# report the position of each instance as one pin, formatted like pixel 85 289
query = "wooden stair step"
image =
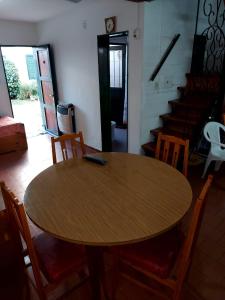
pixel 189 111
pixel 188 105
pixel 175 119
pixel 186 111
pixel 203 97
pixel 167 131
pixel 149 148
pixel 206 100
pixel 198 92
pixel 184 131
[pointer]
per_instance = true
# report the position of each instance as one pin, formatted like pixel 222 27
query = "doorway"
pixel 30 86
pixel 113 75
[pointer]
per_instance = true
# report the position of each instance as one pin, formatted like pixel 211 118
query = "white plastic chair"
pixel 217 149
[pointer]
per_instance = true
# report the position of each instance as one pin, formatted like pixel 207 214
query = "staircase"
pixel 190 112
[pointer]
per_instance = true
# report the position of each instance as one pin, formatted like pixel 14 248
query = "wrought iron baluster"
pixel 214 10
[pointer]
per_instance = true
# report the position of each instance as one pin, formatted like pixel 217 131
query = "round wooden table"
pixel 132 198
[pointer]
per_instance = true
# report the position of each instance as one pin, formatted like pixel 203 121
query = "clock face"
pixel 110 24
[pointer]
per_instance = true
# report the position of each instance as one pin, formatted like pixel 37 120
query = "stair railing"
pixel 164 57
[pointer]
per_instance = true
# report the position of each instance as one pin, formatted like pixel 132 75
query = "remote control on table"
pixel 95 159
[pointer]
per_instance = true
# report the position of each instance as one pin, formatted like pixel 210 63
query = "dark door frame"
pixel 104 87
pixel 104 90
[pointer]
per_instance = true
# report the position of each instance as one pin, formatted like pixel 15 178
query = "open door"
pixel 113 87
pixel 47 87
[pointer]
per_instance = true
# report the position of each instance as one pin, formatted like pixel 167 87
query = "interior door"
pixel 104 85
pixel 47 87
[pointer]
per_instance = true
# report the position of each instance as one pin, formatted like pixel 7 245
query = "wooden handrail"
pixel 164 57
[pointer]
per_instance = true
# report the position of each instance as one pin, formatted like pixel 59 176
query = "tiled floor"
pixel 119 143
pixel 28 112
pixel 206 279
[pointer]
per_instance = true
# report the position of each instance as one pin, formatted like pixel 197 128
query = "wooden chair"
pixel 68 142
pixel 168 149
pixel 12 262
pixel 161 262
pixel 52 260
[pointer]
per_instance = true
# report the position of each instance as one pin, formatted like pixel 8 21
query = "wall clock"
pixel 110 24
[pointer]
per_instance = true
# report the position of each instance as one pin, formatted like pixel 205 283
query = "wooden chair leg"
pixel 179 285
pixel 115 277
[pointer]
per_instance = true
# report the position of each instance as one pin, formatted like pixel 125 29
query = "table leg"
pixel 95 264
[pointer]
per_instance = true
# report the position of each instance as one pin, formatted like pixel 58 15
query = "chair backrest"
pixel 192 233
pixel 17 214
pixel 212 133
pixel 168 149
pixel 68 143
pixel 11 237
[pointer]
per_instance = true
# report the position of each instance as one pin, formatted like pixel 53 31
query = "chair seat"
pixel 218 153
pixel 156 255
pixel 58 258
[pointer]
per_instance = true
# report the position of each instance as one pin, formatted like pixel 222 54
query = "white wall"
pixel 162 20
pixel 74 39
pixel 13 33
pixel 17 33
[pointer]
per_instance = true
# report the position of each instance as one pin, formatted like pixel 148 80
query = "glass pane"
pixel 116 68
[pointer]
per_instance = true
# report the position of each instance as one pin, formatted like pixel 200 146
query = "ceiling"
pixel 33 10
pixel 38 10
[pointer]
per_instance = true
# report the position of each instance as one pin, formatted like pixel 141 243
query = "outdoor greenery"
pixel 18 90
pixel 12 76
pixel 28 91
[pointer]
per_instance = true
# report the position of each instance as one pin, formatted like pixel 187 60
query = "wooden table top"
pixel 130 199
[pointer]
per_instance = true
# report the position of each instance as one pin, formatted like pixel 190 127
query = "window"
pixel 31 67
pixel 115 67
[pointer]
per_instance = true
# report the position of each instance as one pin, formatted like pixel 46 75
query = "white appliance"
pixel 66 118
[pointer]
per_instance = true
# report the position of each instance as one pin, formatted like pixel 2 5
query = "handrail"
pixel 164 57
